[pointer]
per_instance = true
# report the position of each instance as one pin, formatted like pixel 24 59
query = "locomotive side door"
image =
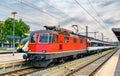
pixel 60 41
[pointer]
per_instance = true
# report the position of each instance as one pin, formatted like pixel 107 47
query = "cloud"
pixel 66 13
pixel 112 21
pixel 107 3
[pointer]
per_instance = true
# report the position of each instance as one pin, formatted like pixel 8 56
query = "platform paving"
pixel 9 57
pixel 117 71
pixel 6 51
pixel 108 69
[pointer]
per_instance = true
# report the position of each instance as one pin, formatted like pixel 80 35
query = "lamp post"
pixel 14 31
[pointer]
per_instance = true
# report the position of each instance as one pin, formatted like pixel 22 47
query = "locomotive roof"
pixel 54 29
pixel 57 32
pixel 70 34
pixel 43 31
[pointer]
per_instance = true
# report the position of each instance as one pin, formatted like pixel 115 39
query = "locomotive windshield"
pixel 45 38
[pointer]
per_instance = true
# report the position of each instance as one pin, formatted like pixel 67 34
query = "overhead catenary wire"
pixel 29 16
pixel 20 12
pixel 30 4
pixel 92 17
pixel 90 14
pixel 82 14
pixel 48 12
pixel 34 7
pixel 97 13
pixel 68 16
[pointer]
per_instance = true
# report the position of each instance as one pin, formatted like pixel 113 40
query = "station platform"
pixel 111 67
pixel 10 57
pixel 6 51
pixel 10 51
pixel 117 71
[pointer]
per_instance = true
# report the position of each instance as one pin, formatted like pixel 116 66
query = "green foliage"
pixel 2 32
pixel 20 28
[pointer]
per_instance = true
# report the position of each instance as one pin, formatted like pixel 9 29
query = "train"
pixel 58 44
pixel 23 45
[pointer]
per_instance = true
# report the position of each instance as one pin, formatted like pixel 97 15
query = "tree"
pixel 2 33
pixel 20 28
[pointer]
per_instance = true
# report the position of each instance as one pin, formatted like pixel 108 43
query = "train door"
pixel 55 42
pixel 81 43
pixel 60 42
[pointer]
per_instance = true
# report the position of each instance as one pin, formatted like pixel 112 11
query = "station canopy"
pixel 116 32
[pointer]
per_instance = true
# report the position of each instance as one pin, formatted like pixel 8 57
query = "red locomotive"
pixel 56 44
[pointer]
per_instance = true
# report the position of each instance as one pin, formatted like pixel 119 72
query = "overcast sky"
pixel 99 15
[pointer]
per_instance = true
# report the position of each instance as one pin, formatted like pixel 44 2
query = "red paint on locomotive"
pixel 60 43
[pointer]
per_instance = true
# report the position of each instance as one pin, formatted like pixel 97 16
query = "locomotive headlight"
pixel 43 51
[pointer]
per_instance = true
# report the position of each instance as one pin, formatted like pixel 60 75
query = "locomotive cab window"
pixel 44 38
pixel 33 38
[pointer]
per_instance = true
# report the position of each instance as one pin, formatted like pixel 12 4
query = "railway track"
pixel 26 71
pixel 74 68
pixel 10 66
pixel 22 72
pixel 91 68
pixel 67 69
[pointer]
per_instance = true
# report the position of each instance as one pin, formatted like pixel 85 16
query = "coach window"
pixel 75 40
pixel 66 39
pixel 33 38
pixel 99 44
pixel 95 44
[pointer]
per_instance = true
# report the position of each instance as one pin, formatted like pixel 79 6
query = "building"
pixel 117 33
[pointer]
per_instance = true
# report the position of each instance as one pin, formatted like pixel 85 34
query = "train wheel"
pixel 62 60
pixel 74 56
pixel 52 64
